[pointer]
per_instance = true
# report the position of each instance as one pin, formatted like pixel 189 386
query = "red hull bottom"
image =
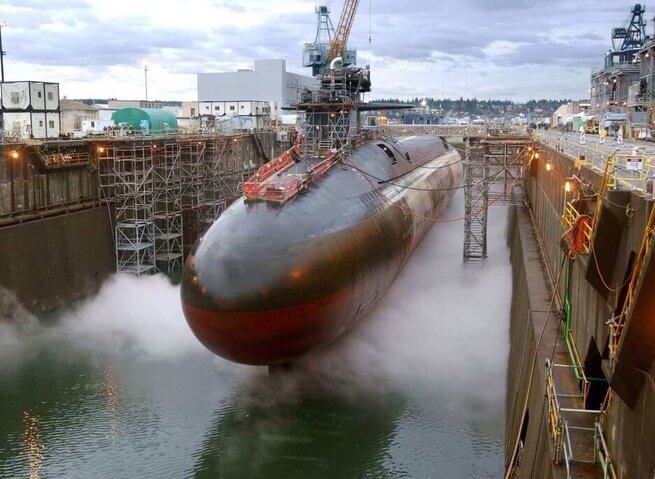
pixel 269 337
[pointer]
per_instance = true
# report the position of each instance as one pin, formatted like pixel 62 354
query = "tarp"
pixel 155 120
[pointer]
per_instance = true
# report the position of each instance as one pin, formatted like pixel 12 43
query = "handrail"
pixel 554 419
pixel 601 453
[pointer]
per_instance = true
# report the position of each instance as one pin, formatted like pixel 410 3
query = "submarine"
pixel 270 282
pixel 321 232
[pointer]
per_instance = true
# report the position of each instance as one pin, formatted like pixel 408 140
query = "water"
pixel 118 388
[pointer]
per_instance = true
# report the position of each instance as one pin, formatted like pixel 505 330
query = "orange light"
pixel 549 166
pixel 154 147
pixel 530 149
pixel 568 186
pixel 14 154
pixel 100 149
pixel 296 274
pixel 536 156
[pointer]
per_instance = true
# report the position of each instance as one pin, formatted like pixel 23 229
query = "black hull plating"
pixel 269 283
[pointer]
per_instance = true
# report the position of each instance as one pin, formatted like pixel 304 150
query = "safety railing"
pixel 601 453
pixel 272 182
pixel 630 170
pixel 555 422
pixel 559 422
pixel 579 229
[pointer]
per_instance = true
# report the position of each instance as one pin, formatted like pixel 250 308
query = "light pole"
pixel 2 53
pixel 145 69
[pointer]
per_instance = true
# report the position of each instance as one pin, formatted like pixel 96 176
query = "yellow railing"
pixel 570 219
pixel 555 425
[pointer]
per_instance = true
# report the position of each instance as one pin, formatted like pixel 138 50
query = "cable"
pixel 510 468
pixel 376 188
pixel 391 180
pixel 600 275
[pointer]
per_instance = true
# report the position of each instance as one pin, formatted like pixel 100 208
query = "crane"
pixel 340 40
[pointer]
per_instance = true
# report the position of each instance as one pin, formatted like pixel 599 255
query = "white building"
pixel 79 119
pixel 268 81
pixel 30 109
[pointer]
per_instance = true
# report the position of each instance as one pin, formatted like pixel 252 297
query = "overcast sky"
pixel 513 49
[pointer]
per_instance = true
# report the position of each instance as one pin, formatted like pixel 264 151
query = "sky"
pixel 503 49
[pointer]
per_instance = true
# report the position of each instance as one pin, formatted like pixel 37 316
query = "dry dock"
pixel 580 370
pixel 580 378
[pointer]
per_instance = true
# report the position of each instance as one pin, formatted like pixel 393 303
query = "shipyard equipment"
pixel 315 54
pixel 321 232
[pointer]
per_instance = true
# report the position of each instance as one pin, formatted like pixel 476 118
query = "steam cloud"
pixel 441 323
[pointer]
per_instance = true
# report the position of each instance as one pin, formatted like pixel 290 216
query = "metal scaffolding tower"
pixel 476 194
pixel 215 203
pixel 165 193
pixel 492 168
pixel 167 207
pixel 134 220
pixel 192 161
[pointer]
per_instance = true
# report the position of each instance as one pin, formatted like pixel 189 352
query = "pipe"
pixel 47 213
pixel 335 61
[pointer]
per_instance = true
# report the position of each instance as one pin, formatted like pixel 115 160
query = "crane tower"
pixel 315 54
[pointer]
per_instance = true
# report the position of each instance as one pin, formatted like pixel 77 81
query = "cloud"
pixel 485 41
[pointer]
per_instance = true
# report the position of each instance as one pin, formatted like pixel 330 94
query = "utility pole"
pixel 146 73
pixel 2 53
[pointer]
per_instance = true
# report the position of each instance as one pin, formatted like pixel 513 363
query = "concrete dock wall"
pixel 596 292
pixel 51 262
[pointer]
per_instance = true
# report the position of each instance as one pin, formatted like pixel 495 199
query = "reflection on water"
pixel 32 445
pixel 192 420
pixel 416 391
pixel 300 430
pixel 112 395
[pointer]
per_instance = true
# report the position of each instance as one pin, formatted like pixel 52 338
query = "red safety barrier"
pixel 272 183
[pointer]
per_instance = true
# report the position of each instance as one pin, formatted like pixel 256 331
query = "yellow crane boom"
pixel 340 40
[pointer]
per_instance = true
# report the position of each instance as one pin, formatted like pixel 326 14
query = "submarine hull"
pixel 269 283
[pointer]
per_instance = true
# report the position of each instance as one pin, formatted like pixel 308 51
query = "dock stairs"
pixel 576 433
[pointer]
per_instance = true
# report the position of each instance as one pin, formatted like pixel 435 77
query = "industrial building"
pixel 615 87
pixel 30 109
pixel 269 81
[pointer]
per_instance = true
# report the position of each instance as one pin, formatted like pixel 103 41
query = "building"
pixel 189 109
pixel 565 113
pixel 78 118
pixel 231 115
pixel 30 109
pixel 612 90
pixel 118 104
pixel 268 81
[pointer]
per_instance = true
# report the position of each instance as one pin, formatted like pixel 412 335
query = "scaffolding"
pixel 476 201
pixel 192 163
pixel 492 167
pixel 131 177
pixel 167 207
pixel 215 202
pixel 163 193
